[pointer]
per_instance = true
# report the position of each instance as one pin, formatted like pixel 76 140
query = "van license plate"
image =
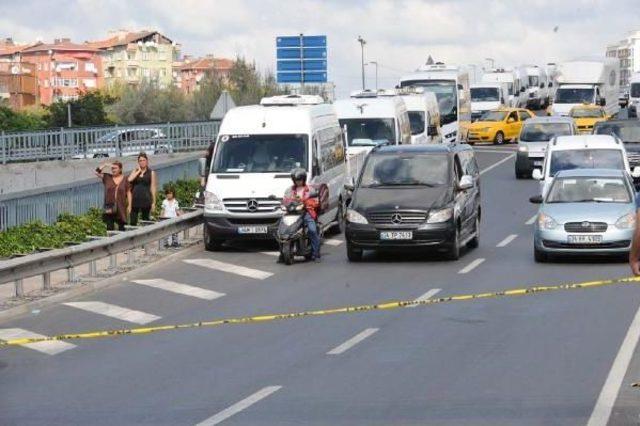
pixel 252 230
pixel 396 235
pixel 585 239
pixel 537 163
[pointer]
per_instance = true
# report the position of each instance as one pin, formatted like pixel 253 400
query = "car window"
pixel 513 115
pixel 524 115
pixel 589 189
pixel 457 167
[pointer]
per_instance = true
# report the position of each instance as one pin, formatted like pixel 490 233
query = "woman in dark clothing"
pixel 115 195
pixel 142 190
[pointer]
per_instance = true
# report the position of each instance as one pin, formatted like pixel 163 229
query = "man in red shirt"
pixel 300 191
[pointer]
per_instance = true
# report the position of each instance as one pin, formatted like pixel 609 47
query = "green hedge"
pixel 185 191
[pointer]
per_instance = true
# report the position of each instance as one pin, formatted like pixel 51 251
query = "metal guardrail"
pixel 45 204
pixel 44 263
pixel 111 141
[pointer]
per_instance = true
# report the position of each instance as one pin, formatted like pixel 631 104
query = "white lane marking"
pixel 230 268
pixel 497 151
pixel 470 267
pixel 115 311
pixel 270 253
pixel 532 220
pixel 507 240
pixel 428 295
pixel 496 164
pixel 352 342
pixel 184 289
pixel 606 400
pixel 333 242
pixel 52 347
pixel 239 406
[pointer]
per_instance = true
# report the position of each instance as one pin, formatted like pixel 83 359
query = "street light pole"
pixel 362 43
pixel 376 64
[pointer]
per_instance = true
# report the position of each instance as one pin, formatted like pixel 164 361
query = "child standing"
pixel 171 209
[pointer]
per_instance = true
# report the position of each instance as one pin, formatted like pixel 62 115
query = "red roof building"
pixel 188 74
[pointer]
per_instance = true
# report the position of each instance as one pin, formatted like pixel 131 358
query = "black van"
pixel 415 196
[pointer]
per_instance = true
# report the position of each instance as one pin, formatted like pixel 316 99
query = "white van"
pixel 582 152
pixel 515 98
pixel 256 149
pixel 487 97
pixel 537 87
pixel 424 117
pixel 450 84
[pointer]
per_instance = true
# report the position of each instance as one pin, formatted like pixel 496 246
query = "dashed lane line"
pixel 428 295
pixel 114 311
pixel 52 347
pixel 333 242
pixel 230 268
pixel 532 220
pixel 178 288
pixel 470 267
pixel 507 240
pixel 353 341
pixel 497 163
pixel 239 406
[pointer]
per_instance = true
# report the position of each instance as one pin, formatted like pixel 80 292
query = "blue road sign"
pixel 301 59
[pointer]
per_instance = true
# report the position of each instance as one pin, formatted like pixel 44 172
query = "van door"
pixel 332 158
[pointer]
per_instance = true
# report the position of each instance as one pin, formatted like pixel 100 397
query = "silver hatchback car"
pixel 586 211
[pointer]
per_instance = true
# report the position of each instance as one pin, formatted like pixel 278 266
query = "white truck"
pixel 450 84
pixel 515 98
pixel 537 87
pixel 587 81
pixel 486 97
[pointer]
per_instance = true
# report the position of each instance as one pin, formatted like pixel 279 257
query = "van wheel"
pixel 475 241
pixel 499 139
pixel 212 244
pixel 340 224
pixel 353 254
pixel 454 252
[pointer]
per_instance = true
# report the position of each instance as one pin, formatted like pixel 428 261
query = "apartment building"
pixel 188 73
pixel 136 56
pixel 628 53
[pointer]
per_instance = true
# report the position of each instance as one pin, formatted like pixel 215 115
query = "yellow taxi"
pixel 498 126
pixel 586 116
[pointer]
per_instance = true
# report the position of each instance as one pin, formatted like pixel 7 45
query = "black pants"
pixel 135 211
pixel 111 220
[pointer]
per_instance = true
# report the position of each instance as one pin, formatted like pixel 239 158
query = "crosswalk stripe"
pixel 333 242
pixel 115 311
pixel 184 289
pixel 230 268
pixel 53 347
pixel 271 253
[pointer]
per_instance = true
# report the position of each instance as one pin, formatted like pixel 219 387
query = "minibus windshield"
pixel 369 131
pixel 260 153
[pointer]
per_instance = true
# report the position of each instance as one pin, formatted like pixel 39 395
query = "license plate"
pixel 537 163
pixel 252 230
pixel 585 239
pixel 396 235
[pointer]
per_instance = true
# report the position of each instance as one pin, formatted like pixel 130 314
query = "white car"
pixel 126 143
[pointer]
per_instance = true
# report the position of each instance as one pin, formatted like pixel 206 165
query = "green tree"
pixel 87 110
pixel 14 121
pixel 205 98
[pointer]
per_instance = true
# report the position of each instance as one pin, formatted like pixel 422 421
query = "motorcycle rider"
pixel 300 191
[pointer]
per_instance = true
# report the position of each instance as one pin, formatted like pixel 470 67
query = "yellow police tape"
pixel 343 310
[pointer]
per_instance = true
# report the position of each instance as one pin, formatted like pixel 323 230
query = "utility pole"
pixel 376 64
pixel 362 43
pixel 68 113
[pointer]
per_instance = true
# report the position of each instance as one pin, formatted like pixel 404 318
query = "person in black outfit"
pixel 142 192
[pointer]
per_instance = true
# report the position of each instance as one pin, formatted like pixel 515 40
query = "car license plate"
pixel 585 239
pixel 252 230
pixel 396 235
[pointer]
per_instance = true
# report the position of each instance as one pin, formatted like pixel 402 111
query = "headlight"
pixel 289 219
pixel 441 215
pixel 355 217
pixel 546 222
pixel 211 202
pixel 523 148
pixel 628 221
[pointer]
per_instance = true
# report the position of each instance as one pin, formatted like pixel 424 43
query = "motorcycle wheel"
pixel 287 253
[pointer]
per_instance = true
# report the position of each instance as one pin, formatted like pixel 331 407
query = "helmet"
pixel 299 174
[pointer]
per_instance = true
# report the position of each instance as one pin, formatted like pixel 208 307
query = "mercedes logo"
pixel 585 224
pixel 396 219
pixel 252 205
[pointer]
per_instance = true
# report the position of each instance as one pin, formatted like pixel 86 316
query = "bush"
pixel 184 189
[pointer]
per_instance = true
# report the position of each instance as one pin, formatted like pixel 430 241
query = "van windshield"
pixel 446 93
pixel 533 81
pixel 574 96
pixel 416 119
pixel 544 132
pixel 369 131
pixel 484 94
pixel 586 159
pixel 405 170
pixel 260 153
pixel 635 90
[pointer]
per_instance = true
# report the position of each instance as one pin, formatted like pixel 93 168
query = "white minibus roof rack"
pixel 291 100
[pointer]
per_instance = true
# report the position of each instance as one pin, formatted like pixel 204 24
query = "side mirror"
pixel 466 182
pixel 602 102
pixel 522 90
pixel 537 174
pixel 432 131
pixel 635 173
pixel 542 85
pixel 550 84
pixel 536 199
pixel 202 167
pixel 350 185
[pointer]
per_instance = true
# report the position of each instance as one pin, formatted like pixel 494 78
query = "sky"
pixel 400 34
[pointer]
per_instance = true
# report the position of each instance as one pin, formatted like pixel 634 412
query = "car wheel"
pixel 353 254
pixel 454 252
pixel 475 241
pixel 340 223
pixel 499 139
pixel 540 256
pixel 210 243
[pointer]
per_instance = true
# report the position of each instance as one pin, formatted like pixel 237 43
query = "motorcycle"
pixel 292 233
